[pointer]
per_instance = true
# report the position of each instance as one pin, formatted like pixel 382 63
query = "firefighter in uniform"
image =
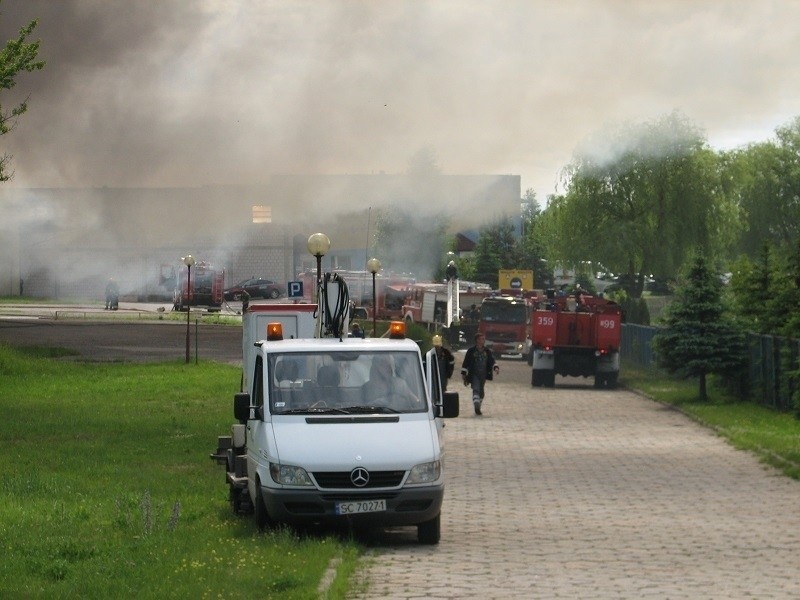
pixel 445 360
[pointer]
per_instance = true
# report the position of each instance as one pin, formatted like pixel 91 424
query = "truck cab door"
pixel 445 404
pixel 433 380
pixel 255 434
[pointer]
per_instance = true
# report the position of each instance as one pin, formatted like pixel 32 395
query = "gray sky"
pixel 189 92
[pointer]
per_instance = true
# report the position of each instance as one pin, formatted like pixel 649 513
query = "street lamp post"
pixel 188 261
pixel 318 244
pixel 374 265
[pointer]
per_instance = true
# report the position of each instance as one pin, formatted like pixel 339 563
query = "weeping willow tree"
pixel 639 200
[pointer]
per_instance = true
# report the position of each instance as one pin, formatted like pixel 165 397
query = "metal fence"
pixel 773 363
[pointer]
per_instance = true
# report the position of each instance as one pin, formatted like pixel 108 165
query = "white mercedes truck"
pixel 331 428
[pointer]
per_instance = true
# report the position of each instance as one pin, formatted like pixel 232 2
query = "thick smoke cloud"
pixel 190 92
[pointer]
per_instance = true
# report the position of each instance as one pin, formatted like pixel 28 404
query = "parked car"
pixel 359 312
pixel 255 288
pixel 625 282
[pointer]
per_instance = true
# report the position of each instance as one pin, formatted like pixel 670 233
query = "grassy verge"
pixel 107 491
pixel 773 436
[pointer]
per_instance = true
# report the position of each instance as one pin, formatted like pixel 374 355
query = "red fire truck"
pixel 505 321
pixel 578 337
pixel 207 286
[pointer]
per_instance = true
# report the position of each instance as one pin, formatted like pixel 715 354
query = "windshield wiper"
pixel 369 409
pixel 316 410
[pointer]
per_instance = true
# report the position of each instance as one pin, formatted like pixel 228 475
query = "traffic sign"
pixel 295 289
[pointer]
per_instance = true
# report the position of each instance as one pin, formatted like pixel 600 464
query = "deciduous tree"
pixel 496 249
pixel 639 200
pixel 18 56
pixel 770 190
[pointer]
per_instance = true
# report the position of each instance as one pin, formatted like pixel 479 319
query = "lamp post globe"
pixel 318 244
pixel 374 265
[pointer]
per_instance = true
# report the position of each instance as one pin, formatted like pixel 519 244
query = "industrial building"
pixel 66 243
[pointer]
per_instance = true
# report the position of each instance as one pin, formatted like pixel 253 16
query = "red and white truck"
pixel 390 291
pixel 577 337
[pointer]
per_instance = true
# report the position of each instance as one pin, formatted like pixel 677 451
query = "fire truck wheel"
pixel 530 358
pixel 611 380
pixel 536 380
pixel 550 379
pixel 599 380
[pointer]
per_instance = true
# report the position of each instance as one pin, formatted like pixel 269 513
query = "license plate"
pixel 363 506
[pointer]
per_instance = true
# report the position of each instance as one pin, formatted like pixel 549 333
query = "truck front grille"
pixel 341 480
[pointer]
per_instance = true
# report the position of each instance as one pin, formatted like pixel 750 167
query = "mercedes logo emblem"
pixel 359 477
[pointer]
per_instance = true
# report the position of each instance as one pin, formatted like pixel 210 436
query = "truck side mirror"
pixel 241 407
pixel 449 406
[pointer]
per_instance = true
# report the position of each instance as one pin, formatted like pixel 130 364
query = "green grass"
pixel 773 436
pixel 32 300
pixel 107 489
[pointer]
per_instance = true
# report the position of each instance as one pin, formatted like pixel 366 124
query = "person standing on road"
pixel 445 360
pixel 112 295
pixel 478 367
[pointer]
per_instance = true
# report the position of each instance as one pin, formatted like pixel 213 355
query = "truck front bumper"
pixel 507 348
pixel 404 506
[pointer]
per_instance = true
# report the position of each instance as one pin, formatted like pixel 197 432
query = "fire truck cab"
pixel 505 321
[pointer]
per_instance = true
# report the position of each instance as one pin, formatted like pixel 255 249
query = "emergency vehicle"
pixel 505 322
pixel 577 337
pixel 207 284
pixel 335 429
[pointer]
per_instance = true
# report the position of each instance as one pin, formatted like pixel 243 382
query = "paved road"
pixel 554 493
pixel 124 340
pixel 578 493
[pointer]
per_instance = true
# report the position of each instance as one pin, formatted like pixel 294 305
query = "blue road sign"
pixel 295 289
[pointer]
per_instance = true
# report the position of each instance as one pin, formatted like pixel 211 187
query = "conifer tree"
pixel 698 339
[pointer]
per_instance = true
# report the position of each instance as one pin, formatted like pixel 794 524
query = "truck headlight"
pixel 288 475
pixel 425 473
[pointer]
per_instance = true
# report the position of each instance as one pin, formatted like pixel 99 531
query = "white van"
pixel 340 429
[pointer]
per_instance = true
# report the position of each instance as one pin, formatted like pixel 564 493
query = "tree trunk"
pixel 703 393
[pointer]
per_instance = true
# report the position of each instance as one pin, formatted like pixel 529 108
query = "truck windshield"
pixel 345 383
pixel 504 312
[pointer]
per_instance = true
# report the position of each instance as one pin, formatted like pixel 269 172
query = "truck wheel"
pixel 611 380
pixel 235 496
pixel 234 493
pixel 263 520
pixel 530 358
pixel 550 380
pixel 599 380
pixel 535 380
pixel 429 532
